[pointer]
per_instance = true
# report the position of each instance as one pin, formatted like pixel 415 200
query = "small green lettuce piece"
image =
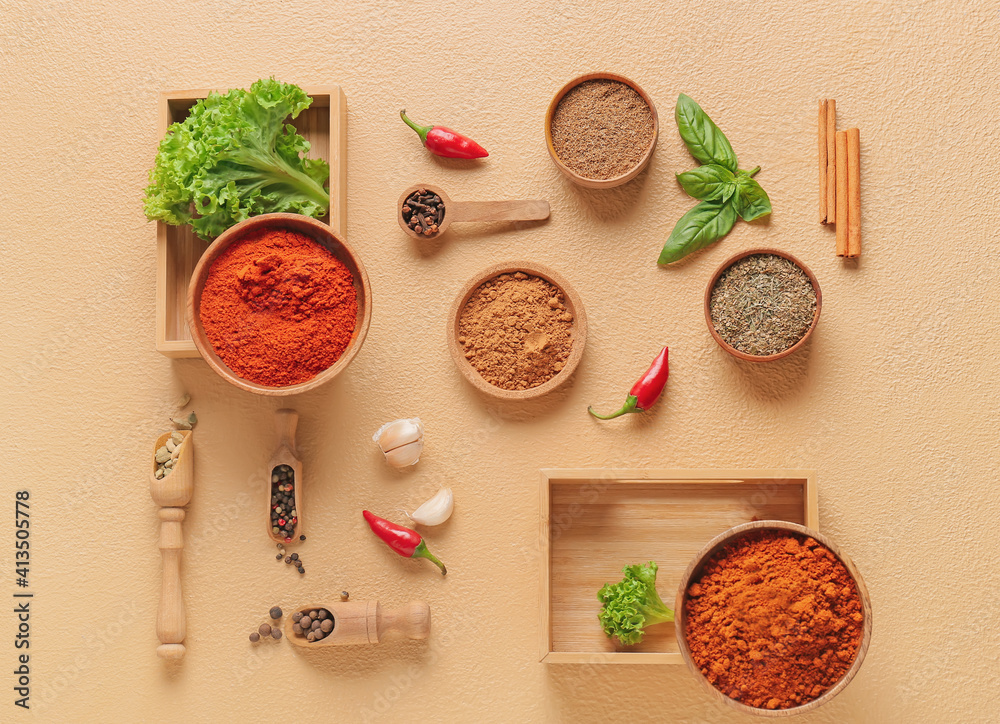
pixel 234 157
pixel 632 604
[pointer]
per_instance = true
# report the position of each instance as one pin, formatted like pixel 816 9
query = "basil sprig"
pixel 725 191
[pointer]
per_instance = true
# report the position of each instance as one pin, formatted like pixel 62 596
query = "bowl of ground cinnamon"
pixel 601 129
pixel 773 618
pixel 517 330
pixel 279 304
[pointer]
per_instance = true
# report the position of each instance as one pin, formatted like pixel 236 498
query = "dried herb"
pixel 724 190
pixel 763 304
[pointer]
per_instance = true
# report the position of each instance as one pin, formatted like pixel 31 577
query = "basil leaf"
pixel 707 222
pixel 708 183
pixel 751 199
pixel 703 138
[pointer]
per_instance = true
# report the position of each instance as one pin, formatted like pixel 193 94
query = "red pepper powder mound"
pixel 774 620
pixel 278 307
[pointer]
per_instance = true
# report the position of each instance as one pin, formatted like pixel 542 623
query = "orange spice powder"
pixel 278 307
pixel 774 620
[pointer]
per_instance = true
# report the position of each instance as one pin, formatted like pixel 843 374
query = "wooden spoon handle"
pixel 532 210
pixel 412 620
pixel 285 422
pixel 171 626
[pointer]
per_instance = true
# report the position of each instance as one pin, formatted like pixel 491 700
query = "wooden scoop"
pixel 171 492
pixel 463 211
pixel 285 422
pixel 365 622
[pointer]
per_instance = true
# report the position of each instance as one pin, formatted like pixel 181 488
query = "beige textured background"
pixel 894 403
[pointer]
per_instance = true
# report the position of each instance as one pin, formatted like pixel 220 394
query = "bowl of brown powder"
pixel 762 305
pixel 601 129
pixel 517 330
pixel 773 618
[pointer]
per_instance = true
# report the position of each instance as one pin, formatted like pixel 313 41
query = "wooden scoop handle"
pixel 533 210
pixel 285 422
pixel 171 626
pixel 413 620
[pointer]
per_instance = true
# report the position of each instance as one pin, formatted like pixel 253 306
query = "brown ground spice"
pixel 516 331
pixel 601 129
pixel 774 620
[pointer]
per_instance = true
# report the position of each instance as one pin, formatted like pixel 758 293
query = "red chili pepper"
pixel 644 392
pixel 407 543
pixel 445 142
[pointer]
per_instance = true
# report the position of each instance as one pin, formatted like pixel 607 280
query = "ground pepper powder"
pixel 278 307
pixel 774 620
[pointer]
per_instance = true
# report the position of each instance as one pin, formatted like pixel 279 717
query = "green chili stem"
pixel 630 406
pixel 422 131
pixel 421 552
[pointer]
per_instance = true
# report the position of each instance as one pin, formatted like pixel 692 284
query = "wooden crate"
pixel 323 124
pixel 595 521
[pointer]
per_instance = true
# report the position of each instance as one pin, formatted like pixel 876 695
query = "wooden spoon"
pixel 463 211
pixel 171 492
pixel 285 422
pixel 365 622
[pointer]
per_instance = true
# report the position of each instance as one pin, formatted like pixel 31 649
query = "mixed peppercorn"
pixel 284 516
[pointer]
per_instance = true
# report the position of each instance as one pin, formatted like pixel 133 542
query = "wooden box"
pixel 596 521
pixel 323 124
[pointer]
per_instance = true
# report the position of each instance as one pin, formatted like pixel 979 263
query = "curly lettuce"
pixel 234 157
pixel 632 604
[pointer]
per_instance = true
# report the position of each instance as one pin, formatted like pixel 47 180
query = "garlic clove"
pixel 405 455
pixel 436 510
pixel 405 436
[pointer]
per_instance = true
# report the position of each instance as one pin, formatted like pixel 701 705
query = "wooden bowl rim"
pixel 616 180
pixel 575 307
pixel 322 234
pixel 777 355
pixel 710 548
pixel 445 199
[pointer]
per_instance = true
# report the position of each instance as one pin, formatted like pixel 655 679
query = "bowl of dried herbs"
pixel 762 305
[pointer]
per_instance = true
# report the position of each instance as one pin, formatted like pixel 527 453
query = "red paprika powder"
pixel 278 307
pixel 774 619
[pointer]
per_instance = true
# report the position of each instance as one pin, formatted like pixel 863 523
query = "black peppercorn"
pixel 278 557
pixel 288 560
pixel 295 556
pixel 302 537
pixel 301 569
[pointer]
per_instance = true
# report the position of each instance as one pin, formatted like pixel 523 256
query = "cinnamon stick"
pixel 831 161
pixel 822 161
pixel 853 192
pixel 840 155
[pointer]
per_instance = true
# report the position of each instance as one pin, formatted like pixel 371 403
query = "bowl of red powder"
pixel 279 304
pixel 773 618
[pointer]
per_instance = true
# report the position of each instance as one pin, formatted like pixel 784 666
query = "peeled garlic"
pixel 436 510
pixel 401 441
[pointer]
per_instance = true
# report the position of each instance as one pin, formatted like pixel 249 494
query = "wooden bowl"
pixel 694 569
pixel 752 357
pixel 574 306
pixel 323 235
pixel 595 183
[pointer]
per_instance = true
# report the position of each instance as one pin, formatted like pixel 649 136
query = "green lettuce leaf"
pixel 234 157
